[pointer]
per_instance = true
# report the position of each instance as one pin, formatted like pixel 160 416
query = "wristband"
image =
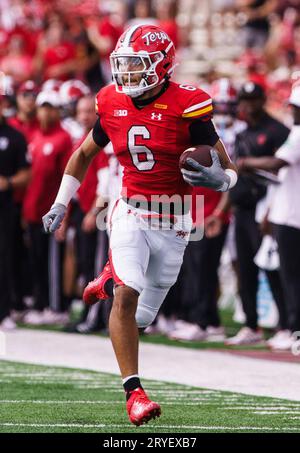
pixel 232 176
pixel 68 187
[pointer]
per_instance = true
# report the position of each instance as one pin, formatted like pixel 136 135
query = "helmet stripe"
pixel 129 35
pixel 169 47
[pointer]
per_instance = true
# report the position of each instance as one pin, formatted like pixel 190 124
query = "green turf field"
pixel 50 399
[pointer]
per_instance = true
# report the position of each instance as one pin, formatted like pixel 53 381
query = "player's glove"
pixel 53 219
pixel 213 177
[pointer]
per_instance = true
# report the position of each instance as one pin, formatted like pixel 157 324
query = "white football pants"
pixel 147 259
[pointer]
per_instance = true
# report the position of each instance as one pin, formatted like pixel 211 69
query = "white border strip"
pixel 198 106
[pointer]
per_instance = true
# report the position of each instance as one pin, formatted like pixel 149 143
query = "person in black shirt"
pixel 256 30
pixel 14 173
pixel 263 136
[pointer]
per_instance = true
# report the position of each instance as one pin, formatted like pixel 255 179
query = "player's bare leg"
pixel 125 338
pixel 124 331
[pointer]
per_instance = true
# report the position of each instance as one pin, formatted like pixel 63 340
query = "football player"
pixel 70 93
pixel 150 122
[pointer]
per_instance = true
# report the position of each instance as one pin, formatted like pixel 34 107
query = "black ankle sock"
pixel 131 385
pixel 109 287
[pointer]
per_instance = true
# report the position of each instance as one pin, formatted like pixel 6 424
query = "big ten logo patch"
pixel 120 112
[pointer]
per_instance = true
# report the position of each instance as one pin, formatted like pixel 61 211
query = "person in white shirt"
pixel 284 215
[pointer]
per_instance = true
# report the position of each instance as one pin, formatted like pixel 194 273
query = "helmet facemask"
pixel 135 73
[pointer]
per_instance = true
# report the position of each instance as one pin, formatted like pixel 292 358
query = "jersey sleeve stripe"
pixel 198 106
pixel 198 113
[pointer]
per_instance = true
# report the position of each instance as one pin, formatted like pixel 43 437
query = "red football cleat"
pixel 95 289
pixel 140 409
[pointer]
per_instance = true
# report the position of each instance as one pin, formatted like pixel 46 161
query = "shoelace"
pixel 141 397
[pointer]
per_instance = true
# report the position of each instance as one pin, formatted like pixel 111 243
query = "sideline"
pixel 200 368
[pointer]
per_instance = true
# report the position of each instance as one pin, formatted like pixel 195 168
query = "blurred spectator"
pixel 7 87
pixel 166 19
pixel 282 49
pixel 14 173
pixel 256 30
pixel 70 93
pixel 91 244
pixel 262 137
pixel 88 67
pixel 228 125
pixel 17 62
pixel 26 122
pixel 104 33
pixel 50 150
pixel 285 217
pixel 142 14
pixel 56 53
pixel 255 67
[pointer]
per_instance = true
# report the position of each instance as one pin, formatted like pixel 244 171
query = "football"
pixel 200 154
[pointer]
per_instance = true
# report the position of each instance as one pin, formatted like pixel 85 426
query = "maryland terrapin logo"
pixel 154 36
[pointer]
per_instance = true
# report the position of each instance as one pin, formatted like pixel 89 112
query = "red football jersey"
pixel 49 154
pixel 148 141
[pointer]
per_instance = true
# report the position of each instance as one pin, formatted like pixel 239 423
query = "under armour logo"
pixel 156 116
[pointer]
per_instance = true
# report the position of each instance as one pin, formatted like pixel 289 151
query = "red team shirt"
pixel 88 188
pixel 148 142
pixel 28 129
pixel 49 153
pixel 62 53
pixel 211 200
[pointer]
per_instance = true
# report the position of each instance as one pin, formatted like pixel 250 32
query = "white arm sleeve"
pixel 68 187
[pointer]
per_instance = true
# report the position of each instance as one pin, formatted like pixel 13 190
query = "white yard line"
pixel 289 410
pixel 153 427
pixel 200 368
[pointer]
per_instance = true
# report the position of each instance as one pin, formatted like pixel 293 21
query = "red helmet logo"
pixel 144 58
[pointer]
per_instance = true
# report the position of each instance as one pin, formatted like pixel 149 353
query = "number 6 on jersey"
pixel 135 150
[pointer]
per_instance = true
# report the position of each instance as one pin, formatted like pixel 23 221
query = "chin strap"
pixel 142 102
